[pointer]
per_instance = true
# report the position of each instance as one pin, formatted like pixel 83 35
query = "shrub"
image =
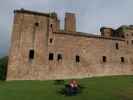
pixel 3 67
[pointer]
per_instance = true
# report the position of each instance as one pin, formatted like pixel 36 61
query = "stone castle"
pixel 41 51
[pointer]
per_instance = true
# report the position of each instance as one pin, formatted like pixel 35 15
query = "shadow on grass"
pixel 59 82
pixel 66 90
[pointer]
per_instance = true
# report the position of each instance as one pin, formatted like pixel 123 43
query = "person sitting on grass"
pixel 72 88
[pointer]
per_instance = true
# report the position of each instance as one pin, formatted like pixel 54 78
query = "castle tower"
pixel 29 45
pixel 70 22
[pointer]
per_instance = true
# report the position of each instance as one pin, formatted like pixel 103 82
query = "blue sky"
pixel 91 14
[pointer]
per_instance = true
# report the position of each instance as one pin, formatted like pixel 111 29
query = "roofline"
pixel 32 12
pixel 89 35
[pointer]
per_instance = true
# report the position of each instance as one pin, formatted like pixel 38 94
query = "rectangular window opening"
pixel 77 58
pixel 51 40
pixel 51 56
pixel 104 59
pixel 31 54
pixel 132 41
pixel 122 59
pixel 59 57
pixel 117 46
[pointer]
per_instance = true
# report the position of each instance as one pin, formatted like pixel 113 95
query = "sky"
pixel 90 14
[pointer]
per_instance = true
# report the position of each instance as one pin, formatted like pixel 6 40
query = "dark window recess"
pixel 127 42
pixel 77 58
pixel 132 41
pixel 51 40
pixel 31 54
pixel 104 59
pixel 36 24
pixel 51 25
pixel 122 59
pixel 51 56
pixel 117 46
pixel 59 57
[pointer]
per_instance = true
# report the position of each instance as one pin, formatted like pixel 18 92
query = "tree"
pixel 3 67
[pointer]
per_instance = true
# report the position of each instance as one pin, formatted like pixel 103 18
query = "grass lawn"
pixel 100 88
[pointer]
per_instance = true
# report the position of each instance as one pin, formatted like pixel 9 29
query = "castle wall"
pixel 39 33
pixel 91 51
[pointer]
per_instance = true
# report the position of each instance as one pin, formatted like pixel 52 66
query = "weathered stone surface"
pixel 27 35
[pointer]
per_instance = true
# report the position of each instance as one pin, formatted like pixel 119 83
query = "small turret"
pixel 106 32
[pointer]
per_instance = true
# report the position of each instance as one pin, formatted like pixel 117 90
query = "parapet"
pixel 52 15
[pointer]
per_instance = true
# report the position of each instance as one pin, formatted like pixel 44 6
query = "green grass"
pixel 100 88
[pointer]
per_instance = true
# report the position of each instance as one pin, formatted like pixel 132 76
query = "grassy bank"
pixel 102 88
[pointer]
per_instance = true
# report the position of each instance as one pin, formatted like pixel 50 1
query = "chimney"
pixel 70 22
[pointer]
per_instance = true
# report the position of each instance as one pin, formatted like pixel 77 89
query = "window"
pixel 77 58
pixel 132 41
pixel 36 24
pixel 51 40
pixel 116 46
pixel 31 54
pixel 59 57
pixel 51 25
pixel 104 59
pixel 51 56
pixel 127 42
pixel 122 59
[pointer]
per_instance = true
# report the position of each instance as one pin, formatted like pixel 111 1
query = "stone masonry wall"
pixel 33 31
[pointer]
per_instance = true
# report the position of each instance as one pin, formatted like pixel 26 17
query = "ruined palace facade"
pixel 41 51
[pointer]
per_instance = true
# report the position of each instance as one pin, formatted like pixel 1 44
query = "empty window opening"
pixel 117 46
pixel 77 58
pixel 36 24
pixel 51 56
pixel 127 42
pixel 51 25
pixel 122 59
pixel 59 57
pixel 132 41
pixel 51 40
pixel 104 59
pixel 31 54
